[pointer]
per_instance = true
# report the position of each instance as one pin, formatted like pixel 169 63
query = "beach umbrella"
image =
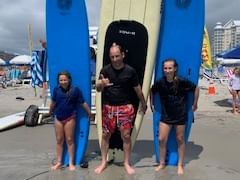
pixel 2 62
pixel 21 60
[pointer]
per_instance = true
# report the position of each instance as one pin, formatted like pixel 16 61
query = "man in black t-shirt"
pixel 118 82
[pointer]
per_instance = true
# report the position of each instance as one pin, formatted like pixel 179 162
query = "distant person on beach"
pixel 93 61
pixel 44 71
pixel 117 81
pixel 93 66
pixel 2 72
pixel 234 88
pixel 3 77
pixel 64 103
pixel 43 43
pixel 172 90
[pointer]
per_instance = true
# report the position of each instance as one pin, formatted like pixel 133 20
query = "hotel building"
pixel 226 36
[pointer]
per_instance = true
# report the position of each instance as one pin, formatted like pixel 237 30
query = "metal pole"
pixel 30 45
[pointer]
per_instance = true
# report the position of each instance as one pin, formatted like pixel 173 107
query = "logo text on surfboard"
pixel 64 4
pixel 127 32
pixel 183 3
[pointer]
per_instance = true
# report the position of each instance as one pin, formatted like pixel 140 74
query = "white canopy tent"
pixel 21 59
pixel 227 61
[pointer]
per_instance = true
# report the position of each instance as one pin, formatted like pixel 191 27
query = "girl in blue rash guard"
pixel 64 103
pixel 172 90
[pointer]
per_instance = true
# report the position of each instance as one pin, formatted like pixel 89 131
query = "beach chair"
pixel 212 77
pixel 229 73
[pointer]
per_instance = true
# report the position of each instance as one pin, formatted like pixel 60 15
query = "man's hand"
pixel 102 83
pixel 143 108
pixel 105 82
pixel 91 117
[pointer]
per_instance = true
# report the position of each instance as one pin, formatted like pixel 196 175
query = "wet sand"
pixel 211 153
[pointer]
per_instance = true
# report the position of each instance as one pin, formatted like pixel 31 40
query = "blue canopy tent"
pixel 231 56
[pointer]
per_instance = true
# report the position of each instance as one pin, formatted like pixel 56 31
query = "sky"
pixel 17 15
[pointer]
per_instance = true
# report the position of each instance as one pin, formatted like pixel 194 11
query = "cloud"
pixel 221 11
pixel 16 15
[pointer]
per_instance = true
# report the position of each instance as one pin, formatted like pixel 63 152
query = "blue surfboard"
pixel 68 49
pixel 180 38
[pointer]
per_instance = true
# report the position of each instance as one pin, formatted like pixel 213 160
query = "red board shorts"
pixel 117 116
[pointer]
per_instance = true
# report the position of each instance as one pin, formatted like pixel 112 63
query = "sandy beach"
pixel 211 153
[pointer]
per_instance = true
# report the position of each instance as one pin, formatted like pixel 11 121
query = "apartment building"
pixel 226 36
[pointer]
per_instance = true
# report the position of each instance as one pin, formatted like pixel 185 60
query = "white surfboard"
pixel 11 121
pixel 117 14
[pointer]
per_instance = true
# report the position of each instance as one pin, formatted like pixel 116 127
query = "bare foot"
pixel 100 168
pixel 129 169
pixel 56 166
pixel 180 170
pixel 160 167
pixel 72 167
pixel 235 112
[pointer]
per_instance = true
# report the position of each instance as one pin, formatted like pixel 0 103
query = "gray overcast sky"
pixel 16 15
